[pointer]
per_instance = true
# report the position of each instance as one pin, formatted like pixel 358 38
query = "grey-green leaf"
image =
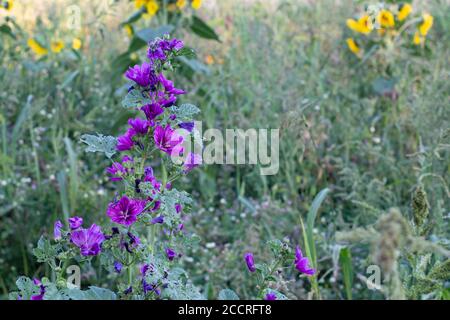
pixel 135 99
pixel 93 293
pixel 228 294
pixel 100 143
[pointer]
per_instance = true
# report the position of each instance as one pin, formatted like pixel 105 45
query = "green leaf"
pixel 311 217
pixel 45 251
pixel 228 294
pixel 185 112
pixel 345 259
pixel 135 99
pixel 7 30
pixel 135 45
pixel 121 63
pixel 69 79
pixel 100 143
pixel 150 34
pixel 200 28
pixel 93 293
pixel 133 18
pixel 187 52
pixel 26 287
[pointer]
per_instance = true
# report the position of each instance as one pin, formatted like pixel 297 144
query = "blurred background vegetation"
pixel 277 64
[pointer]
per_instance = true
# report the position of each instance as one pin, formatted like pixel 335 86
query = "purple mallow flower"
pixel 41 294
pixel 128 290
pixel 125 142
pixel 270 296
pixel 192 160
pixel 117 170
pixel 152 111
pixel 188 126
pixel 141 74
pixel 250 262
pixel 302 263
pixel 157 220
pixel 134 240
pixel 169 87
pixel 57 230
pixel 125 211
pixel 159 48
pixel 75 222
pixel 139 125
pixel 171 254
pixel 168 102
pixel 167 140
pixel 88 240
pixel 118 266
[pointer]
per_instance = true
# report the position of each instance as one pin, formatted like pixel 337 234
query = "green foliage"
pixel 279 69
pixel 345 259
pixel 200 28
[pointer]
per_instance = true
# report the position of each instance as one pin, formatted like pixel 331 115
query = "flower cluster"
pixel 152 7
pixel 149 201
pixel 89 241
pixel 148 214
pixel 382 24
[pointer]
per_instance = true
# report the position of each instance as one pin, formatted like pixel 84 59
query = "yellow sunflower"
pixel 196 4
pixel 353 46
pixel 76 44
pixel 386 19
pixel 404 12
pixel 36 47
pixel 426 24
pixel 57 46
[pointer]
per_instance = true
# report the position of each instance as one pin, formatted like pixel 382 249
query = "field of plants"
pixel 112 110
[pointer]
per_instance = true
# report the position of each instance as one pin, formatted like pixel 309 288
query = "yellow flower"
pixel 405 11
pixel 418 39
pixel 386 19
pixel 129 30
pixel 140 3
pixel 8 5
pixel 196 4
pixel 363 25
pixel 209 59
pixel 36 47
pixel 426 25
pixel 76 44
pixel 57 46
pixel 181 4
pixel 152 8
pixel 353 46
